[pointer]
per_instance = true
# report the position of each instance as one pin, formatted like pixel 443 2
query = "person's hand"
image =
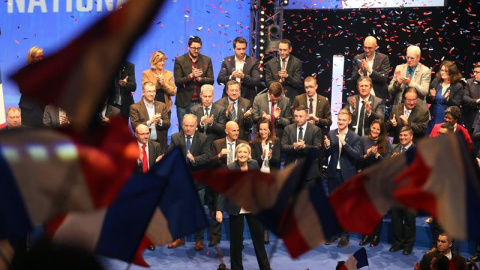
pixel 447 96
pixel 140 157
pixel 197 72
pixel 270 152
pixel 190 157
pixel 341 139
pixel 368 107
pixel 301 144
pixel 394 121
pixel 416 266
pixel 64 120
pixel 265 115
pixel 229 109
pixel 353 103
pixel 224 152
pixel 203 119
pixel 248 113
pixel 404 118
pixel 277 112
pixel 478 161
pixel 478 101
pixel 105 120
pixel 400 79
pixel 159 158
pixel 326 141
pixel 407 80
pixel 161 80
pixel 313 118
pixel 123 82
pixel 433 92
pixel 210 119
pixel 239 74
pixel 219 216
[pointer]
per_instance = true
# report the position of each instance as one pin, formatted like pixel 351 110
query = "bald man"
pixel 374 65
pixel 150 151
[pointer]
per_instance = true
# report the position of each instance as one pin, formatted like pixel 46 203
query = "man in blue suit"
pixel 341 145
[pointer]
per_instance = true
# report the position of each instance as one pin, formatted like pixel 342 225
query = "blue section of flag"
pixel 128 217
pixel 324 211
pixel 361 257
pixel 14 219
pixel 180 203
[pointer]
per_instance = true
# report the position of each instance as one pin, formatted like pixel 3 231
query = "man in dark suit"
pixel 274 106
pixel 285 69
pixel 222 153
pixel 197 155
pixel 408 114
pixel 374 65
pixel 444 247
pixel 191 71
pixel 298 138
pixel 364 107
pixel 212 116
pixel 238 109
pixel 318 105
pixel 242 68
pixel 151 113
pixel 471 99
pixel 54 116
pixel 13 118
pixel 342 146
pixel 403 221
pixel 150 151
pixel 108 111
pixel 121 95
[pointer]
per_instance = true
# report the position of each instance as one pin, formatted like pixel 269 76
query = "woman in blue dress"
pixel 445 90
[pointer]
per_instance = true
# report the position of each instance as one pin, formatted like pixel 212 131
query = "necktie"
pixel 310 108
pixel 208 115
pixel 361 120
pixel 409 73
pixel 284 64
pixel 189 143
pixel 144 159
pixel 234 112
pixel 404 149
pixel 232 153
pixel 300 134
pixel 272 117
pixel 407 113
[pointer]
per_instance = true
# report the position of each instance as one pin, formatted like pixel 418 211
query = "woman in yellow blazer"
pixel 163 79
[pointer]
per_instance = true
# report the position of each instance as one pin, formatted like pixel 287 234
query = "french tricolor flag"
pixel 358 260
pixel 437 176
pixel 48 172
pixel 302 217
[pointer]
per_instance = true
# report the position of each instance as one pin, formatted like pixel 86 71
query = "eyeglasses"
pixel 411 100
pixel 196 48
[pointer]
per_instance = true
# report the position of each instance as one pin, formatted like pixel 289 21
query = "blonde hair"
pixel 32 53
pixel 157 57
pixel 244 145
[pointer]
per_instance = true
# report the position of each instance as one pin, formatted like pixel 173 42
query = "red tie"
pixel 272 118
pixel 145 159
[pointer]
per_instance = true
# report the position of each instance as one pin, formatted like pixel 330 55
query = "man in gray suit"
pixel 191 71
pixel 285 69
pixel 298 138
pixel 241 68
pixel 238 109
pixel 274 106
pixel 212 116
pixel 364 107
pixel 411 74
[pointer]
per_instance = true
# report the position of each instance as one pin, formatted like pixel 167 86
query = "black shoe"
pixel 214 241
pixel 331 240
pixel 475 258
pixel 395 248
pixel 364 240
pixel 407 251
pixel 151 248
pixel 343 241
pixel 375 241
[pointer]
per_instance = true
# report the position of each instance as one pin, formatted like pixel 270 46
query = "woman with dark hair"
pixel 445 90
pixel 373 148
pixel 265 149
pixel 243 162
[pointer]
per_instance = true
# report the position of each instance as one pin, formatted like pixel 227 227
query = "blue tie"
pixel 189 143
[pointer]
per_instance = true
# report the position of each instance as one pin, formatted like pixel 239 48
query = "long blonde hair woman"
pixel 161 78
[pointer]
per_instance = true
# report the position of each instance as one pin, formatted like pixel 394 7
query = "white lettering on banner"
pixel 55 6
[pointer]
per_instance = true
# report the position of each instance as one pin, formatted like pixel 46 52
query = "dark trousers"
pixel 215 227
pixel 403 223
pixel 236 241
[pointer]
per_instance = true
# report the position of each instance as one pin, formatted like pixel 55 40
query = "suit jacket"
pixel 183 68
pixel 110 112
pixel 470 105
pixel 261 105
pixel 51 117
pixel 126 92
pixel 31 111
pixel 420 80
pixel 378 112
pixel 251 80
pixel 379 75
pixel 245 124
pixel 417 120
pixel 313 140
pixel 154 151
pixel 165 92
pixel 139 115
pixel 397 148
pixel 348 157
pixel 224 204
pixel 217 129
pixel 293 84
pixel 322 111
pixel 199 149
pixel 215 149
pixel 427 258
pixel 456 93
pixel 274 162
pixel 459 128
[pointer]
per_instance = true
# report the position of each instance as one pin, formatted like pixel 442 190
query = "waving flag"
pixel 47 172
pixel 115 231
pixel 437 176
pixel 77 77
pixel 358 260
pixel 3 122
pixel 303 218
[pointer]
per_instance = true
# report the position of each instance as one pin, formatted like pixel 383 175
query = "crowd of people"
pixel 246 129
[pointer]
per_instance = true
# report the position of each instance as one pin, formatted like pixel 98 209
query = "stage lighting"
pixel 284 2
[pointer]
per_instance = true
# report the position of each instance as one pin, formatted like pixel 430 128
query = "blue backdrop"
pixel 51 24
